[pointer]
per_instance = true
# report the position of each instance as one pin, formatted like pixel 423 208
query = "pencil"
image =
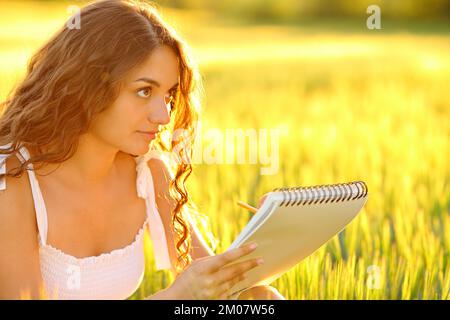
pixel 247 206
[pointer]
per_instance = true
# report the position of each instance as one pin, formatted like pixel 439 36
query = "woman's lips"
pixel 148 135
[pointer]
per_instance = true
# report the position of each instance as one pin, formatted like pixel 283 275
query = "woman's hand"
pixel 212 277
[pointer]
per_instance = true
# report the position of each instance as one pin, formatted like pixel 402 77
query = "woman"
pixel 87 125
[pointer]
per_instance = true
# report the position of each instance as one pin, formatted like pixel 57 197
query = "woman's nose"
pixel 160 112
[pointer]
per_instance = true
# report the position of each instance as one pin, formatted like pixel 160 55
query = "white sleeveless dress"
pixel 113 275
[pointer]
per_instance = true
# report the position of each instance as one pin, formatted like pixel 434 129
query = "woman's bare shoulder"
pixel 16 196
pixel 161 178
pixel 19 248
pixel 17 215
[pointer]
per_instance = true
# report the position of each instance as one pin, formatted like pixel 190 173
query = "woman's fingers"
pixel 218 261
pixel 224 288
pixel 229 272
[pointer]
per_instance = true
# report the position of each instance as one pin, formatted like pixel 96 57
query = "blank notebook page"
pixel 292 223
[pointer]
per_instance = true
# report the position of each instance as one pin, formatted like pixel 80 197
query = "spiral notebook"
pixel 292 223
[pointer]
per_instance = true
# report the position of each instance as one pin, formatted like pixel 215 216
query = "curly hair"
pixel 79 73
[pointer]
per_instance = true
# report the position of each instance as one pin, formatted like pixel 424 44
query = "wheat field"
pixel 360 105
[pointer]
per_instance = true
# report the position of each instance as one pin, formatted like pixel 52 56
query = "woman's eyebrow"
pixel 154 82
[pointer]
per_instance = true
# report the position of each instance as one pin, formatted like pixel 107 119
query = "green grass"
pixel 354 106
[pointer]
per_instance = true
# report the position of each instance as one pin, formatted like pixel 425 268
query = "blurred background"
pixel 354 104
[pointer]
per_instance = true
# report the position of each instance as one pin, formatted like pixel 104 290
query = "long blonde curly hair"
pixel 77 74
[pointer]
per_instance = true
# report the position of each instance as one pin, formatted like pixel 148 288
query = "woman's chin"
pixel 142 148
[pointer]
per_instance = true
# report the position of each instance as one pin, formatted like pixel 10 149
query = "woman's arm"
pixel 165 294
pixel 200 248
pixel 20 275
pixel 166 204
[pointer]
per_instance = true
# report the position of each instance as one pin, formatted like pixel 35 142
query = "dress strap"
pixel 39 205
pixel 145 190
pixel 3 158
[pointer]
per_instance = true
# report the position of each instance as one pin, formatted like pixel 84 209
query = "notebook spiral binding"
pixel 337 192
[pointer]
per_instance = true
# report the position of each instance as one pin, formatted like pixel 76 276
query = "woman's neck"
pixel 92 166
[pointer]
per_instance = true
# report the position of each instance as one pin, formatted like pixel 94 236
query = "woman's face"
pixel 143 105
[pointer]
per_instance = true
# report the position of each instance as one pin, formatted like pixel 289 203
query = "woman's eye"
pixel 144 92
